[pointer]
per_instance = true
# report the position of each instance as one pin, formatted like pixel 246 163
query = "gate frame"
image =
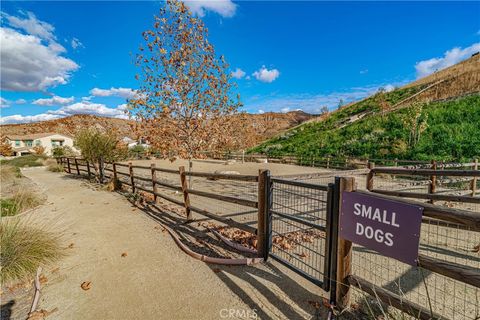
pixel 338 251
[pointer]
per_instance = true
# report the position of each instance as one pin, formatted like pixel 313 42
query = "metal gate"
pixel 300 229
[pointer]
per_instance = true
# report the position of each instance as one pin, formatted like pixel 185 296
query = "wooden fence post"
pixel 263 208
pixel 328 162
pixel 132 180
pixel 473 183
pixel 114 168
pixel 154 178
pixel 370 175
pixel 433 181
pixel 68 165
pixel 346 162
pixel 344 252
pixel 186 198
pixel 76 166
pixel 88 169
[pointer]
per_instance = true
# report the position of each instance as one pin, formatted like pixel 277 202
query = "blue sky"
pixel 63 58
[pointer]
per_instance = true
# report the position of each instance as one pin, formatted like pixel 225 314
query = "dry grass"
pixel 24 248
pixel 9 173
pixel 54 167
pixel 22 200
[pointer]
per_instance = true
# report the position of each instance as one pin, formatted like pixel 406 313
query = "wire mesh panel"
pixel 449 298
pixel 299 222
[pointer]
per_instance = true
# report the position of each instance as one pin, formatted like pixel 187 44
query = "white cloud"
pixel 31 25
pixel 126 93
pixel 75 43
pixel 20 101
pixel 451 57
pixel 76 108
pixel 260 111
pixel 365 71
pixel 265 75
pixel 54 101
pixel 33 61
pixel 225 8
pixel 238 73
pixel 285 110
pixel 4 103
pixel 17 118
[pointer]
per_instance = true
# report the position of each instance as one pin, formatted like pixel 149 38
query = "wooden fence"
pixel 465 175
pixel 81 166
pixel 345 278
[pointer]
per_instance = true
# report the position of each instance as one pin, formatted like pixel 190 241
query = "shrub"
pixel 5 148
pixel 9 173
pixel 24 248
pixel 39 150
pixel 31 160
pixel 63 151
pixel 54 167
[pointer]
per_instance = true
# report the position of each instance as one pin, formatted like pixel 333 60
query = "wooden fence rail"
pixel 133 182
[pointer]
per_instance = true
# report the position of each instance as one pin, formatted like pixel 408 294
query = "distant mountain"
pixel 71 125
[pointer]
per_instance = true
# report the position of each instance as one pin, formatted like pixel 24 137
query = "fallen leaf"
pixel 43 279
pixel 86 285
pixel 314 304
pixel 216 270
pixel 124 255
pixel 70 246
pixel 40 314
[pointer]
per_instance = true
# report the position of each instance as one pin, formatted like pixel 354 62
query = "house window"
pixel 38 142
pixel 28 143
pixel 57 143
pixel 17 143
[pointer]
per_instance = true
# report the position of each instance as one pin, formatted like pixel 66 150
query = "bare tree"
pixel 185 91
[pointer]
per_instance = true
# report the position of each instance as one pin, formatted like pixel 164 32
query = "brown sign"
pixel 391 228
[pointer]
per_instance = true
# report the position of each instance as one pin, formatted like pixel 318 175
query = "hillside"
pixel 434 117
pixel 70 125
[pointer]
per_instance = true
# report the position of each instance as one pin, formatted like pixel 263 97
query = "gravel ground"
pixel 137 272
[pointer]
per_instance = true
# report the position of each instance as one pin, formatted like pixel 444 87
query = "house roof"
pixel 33 136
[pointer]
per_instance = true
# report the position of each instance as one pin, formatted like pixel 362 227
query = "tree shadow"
pixel 268 282
pixel 6 310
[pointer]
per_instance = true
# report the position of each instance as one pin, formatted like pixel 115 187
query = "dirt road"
pixel 153 279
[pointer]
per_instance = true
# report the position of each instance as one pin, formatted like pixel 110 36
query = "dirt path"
pixel 155 280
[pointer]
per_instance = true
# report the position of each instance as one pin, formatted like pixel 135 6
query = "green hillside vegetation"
pixel 448 130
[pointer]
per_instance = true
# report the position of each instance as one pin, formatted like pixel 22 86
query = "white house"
pixel 132 143
pixel 24 144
